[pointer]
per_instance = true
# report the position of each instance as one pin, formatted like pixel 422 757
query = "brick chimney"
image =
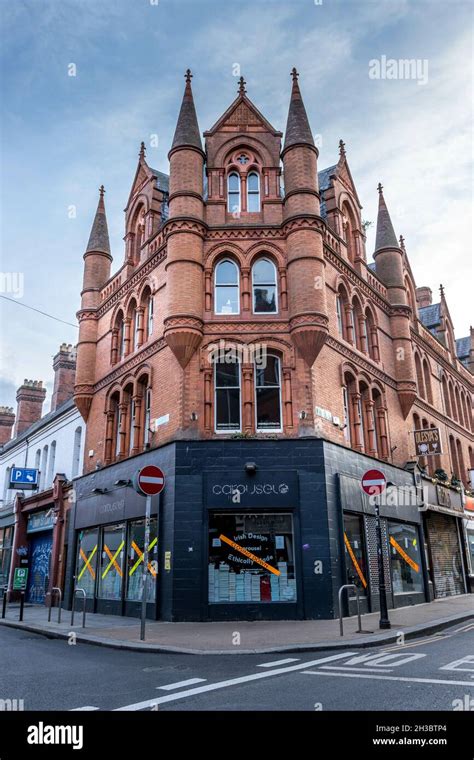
pixel 64 365
pixel 424 296
pixel 7 420
pixel 30 397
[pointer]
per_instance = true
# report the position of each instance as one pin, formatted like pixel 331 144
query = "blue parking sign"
pixel 24 478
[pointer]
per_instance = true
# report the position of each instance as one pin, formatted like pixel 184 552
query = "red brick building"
pixel 247 250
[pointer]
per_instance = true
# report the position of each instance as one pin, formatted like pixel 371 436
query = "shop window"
pixel 86 561
pixel 226 291
pixel 253 192
pixel 264 287
pixel 6 540
pixel 227 396
pixel 251 558
pixel 136 545
pixel 268 394
pixel 405 558
pixel 355 552
pixel 111 562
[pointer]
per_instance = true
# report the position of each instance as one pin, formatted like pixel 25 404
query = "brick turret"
pixel 389 265
pixel 7 420
pixel 307 303
pixel 183 325
pixel 97 261
pixel 30 397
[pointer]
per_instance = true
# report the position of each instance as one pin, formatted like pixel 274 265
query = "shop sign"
pixel 264 489
pixel 19 578
pixel 40 521
pixel 444 496
pixel 427 442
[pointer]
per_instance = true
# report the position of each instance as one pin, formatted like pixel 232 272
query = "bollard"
pixel 22 604
pixel 4 602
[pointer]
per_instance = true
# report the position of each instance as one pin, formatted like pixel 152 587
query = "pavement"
pixel 433 672
pixel 245 637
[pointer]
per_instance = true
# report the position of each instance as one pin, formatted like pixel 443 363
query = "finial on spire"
pixel 380 188
pixel 294 74
pixel 242 84
pixel 402 242
pixel 342 148
pixel 188 76
pixel 101 191
pixel 142 150
pixel 441 291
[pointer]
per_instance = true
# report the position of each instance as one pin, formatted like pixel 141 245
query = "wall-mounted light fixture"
pixel 194 416
pixel 122 482
pixel 303 415
pixel 100 490
pixel 250 468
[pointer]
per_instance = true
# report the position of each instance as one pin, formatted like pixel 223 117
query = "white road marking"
pixel 387 678
pixel 467 627
pixel 468 660
pixel 180 684
pixel 231 682
pixel 82 709
pixel 278 662
pixel 354 667
pixel 398 658
pixel 398 647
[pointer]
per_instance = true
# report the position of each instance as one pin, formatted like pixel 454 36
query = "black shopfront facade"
pixel 245 530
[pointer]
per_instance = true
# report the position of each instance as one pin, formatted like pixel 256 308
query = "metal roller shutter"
pixel 445 554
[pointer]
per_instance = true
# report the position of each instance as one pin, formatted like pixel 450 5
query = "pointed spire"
pixel 385 237
pixel 142 153
pixel 242 84
pixel 99 237
pixel 298 130
pixel 187 128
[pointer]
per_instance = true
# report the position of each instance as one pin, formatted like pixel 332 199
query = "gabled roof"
pixel 242 111
pixel 43 422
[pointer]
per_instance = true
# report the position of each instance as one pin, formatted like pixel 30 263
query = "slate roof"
pixel 430 315
pixel 297 126
pixel 99 237
pixel 324 177
pixel 162 180
pixel 39 424
pixel 385 237
pixel 463 347
pixel 187 128
pixel 371 266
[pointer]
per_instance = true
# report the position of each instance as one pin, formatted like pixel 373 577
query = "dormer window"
pixel 233 193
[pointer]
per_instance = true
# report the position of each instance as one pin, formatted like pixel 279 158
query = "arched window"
pixel 268 394
pixel 226 290
pixel 129 411
pixel 149 316
pixel 264 286
pixel 44 472
pixel 459 408
pixel 372 335
pixel 349 227
pixel 147 416
pixel 233 193
pixel 340 319
pixel 447 405
pixel 253 192
pixel 227 396
pixel 134 325
pixel 427 379
pixel 436 457
pixel 52 462
pixel 37 459
pixel 351 398
pixel 454 458
pixel 419 377
pixel 454 413
pixel 360 328
pixel 462 475
pixel 6 484
pixel 76 452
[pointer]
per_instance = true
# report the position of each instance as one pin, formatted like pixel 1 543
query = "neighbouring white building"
pixel 33 523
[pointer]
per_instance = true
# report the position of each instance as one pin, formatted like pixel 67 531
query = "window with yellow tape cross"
pixel 135 560
pixel 86 561
pixel 111 561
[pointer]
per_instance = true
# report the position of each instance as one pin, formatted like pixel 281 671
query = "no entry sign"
pixel 374 482
pixel 150 480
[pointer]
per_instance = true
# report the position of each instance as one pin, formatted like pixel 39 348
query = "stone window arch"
pixel 226 287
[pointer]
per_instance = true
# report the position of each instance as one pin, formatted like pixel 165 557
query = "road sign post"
pixel 374 483
pixel 149 481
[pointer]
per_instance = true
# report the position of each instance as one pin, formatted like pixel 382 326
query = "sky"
pixel 62 136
